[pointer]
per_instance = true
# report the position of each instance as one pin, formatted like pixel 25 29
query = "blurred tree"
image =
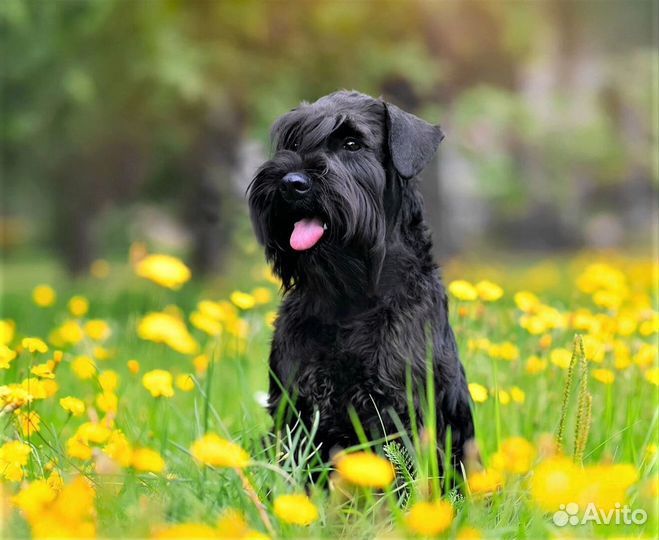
pixel 108 102
pixel 103 97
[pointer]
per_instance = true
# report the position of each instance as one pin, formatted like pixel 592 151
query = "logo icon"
pixel 566 514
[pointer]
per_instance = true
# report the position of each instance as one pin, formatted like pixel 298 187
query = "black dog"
pixel 338 211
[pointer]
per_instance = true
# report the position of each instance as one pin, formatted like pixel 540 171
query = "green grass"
pixel 134 504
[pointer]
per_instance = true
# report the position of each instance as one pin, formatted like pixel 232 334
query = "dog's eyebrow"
pixel 311 132
pixel 346 123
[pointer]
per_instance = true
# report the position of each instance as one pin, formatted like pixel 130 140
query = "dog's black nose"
pixel 294 184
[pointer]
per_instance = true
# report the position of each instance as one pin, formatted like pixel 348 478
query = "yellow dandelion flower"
pixel 70 332
pixel 220 311
pixel 504 397
pixel 108 402
pixel 243 300
pixel 646 355
pixel 6 356
pixel 606 485
pixel 35 387
pixel 365 469
pixel 33 498
pixel 75 448
pixel 78 306
pixel 609 299
pixel 133 366
pixel 97 329
pixel 158 382
pixel 70 514
pixel 232 524
pixel 201 364
pixel 238 328
pixel 72 405
pixel 533 324
pixel 44 370
pixel 192 531
pixel 101 353
pixel 161 327
pixel 504 351
pixel 7 331
pixel 13 396
pixel 44 295
pixel 93 432
pixel 295 509
pixel 14 456
pixel 601 276
pixel 34 344
pixel 622 355
pixel 83 367
pixel 262 295
pixel 164 270
pixel 560 357
pixel 469 533
pixel 185 382
pixel 55 481
pixel 50 387
pixel 535 365
pixel 109 380
pixel 626 323
pixel 593 348
pixel 545 342
pixel 605 376
pixel 479 344
pixel 555 481
pixel 484 482
pixel 429 518
pixel 478 392
pixel 515 455
pixel 517 394
pixel 212 310
pixel 29 422
pixel 463 290
pixel 119 449
pixel 526 301
pixel 489 291
pixel 649 327
pixel 147 460
pixel 215 451
pixel 205 323
pixel 652 376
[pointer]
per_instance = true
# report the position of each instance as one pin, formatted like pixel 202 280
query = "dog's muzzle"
pixel 295 187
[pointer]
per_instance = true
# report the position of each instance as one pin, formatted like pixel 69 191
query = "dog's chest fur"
pixel 332 364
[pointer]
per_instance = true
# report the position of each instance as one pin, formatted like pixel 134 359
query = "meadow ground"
pixel 130 406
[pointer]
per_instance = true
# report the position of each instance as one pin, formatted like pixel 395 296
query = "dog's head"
pixel 326 201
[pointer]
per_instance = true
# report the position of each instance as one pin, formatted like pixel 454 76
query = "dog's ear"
pixel 412 141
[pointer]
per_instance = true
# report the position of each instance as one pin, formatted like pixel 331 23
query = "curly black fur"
pixel 365 305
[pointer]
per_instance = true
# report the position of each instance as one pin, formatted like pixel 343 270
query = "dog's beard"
pixel 346 201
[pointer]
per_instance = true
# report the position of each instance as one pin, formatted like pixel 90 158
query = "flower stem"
pixel 260 507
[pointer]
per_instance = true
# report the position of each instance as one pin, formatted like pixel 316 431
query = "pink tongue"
pixel 306 234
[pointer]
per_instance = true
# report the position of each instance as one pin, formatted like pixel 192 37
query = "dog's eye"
pixel 351 144
pixel 295 146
